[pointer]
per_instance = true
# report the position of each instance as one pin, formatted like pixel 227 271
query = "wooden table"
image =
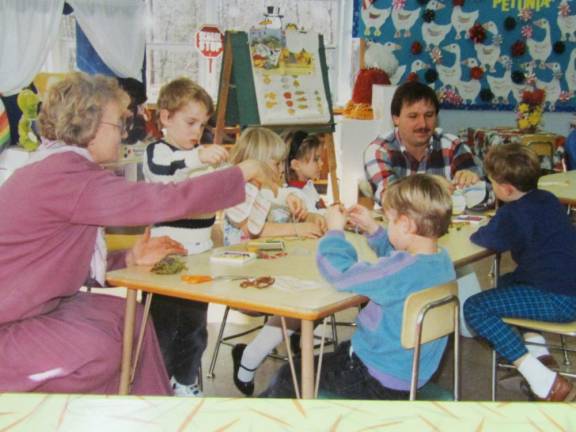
pixel 563 185
pixel 308 306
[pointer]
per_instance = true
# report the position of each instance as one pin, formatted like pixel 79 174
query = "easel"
pixel 237 104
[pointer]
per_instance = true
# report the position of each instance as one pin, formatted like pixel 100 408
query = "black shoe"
pixel 245 387
pixel 295 343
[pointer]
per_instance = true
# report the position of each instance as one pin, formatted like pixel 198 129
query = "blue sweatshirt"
pixel 387 283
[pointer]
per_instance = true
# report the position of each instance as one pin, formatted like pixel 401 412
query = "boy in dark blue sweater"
pixel 535 228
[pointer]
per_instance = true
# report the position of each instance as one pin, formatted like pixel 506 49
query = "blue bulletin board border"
pixel 479 54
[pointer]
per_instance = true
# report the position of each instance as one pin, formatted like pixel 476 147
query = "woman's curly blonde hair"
pixel 72 109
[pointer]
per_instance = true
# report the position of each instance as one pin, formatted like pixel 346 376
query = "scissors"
pixel 200 279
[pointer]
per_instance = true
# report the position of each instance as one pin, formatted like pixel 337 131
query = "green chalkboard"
pixel 241 103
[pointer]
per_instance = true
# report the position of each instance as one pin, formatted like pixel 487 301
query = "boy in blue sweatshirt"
pixel 373 365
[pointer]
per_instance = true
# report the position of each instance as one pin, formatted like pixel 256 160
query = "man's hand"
pixel 464 178
pixel 212 154
pixel 148 250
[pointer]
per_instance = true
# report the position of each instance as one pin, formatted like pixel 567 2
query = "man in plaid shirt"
pixel 416 146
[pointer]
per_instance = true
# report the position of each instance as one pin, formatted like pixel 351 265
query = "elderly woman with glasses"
pixel 55 338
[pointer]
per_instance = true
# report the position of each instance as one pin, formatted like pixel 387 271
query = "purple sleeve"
pixel 338 263
pixel 108 200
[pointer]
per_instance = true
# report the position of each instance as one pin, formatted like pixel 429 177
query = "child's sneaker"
pixel 192 390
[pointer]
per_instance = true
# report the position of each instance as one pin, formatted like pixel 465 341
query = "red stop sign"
pixel 210 41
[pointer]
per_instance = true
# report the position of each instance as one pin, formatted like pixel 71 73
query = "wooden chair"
pixel 120 241
pixel 429 315
pixel 560 329
pixel 544 147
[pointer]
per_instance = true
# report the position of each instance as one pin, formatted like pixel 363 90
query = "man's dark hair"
pixel 411 92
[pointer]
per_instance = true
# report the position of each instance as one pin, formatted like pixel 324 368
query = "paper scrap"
pixel 292 284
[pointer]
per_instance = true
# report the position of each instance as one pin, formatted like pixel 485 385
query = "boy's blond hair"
pixel 514 164
pixel 260 144
pixel 72 109
pixel 180 92
pixel 425 199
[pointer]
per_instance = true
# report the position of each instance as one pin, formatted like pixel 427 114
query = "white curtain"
pixel 115 28
pixel 28 29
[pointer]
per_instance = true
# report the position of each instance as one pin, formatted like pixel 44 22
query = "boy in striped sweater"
pixel 184 109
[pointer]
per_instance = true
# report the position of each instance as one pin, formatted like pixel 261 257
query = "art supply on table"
pixel 271 255
pixel 266 245
pixel 471 219
pixel 171 264
pixel 259 282
pixel 200 279
pixel 232 257
pixel 294 285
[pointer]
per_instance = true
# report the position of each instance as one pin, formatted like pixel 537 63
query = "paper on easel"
pixel 239 213
pixel 288 80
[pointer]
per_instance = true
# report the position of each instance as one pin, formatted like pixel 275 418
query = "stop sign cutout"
pixel 210 42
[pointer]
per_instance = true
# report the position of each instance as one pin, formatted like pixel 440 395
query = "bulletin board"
pixel 478 54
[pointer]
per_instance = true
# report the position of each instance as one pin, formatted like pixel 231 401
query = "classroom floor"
pixel 475 376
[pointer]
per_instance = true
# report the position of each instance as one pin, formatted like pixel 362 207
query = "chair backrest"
pixel 120 241
pixel 543 146
pixel 433 309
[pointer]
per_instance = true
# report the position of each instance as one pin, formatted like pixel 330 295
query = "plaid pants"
pixel 484 312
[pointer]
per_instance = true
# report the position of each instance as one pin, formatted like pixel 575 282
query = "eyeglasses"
pixel 121 127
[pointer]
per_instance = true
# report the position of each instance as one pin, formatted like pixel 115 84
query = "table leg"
pixel 307 359
pixel 128 337
pixel 136 356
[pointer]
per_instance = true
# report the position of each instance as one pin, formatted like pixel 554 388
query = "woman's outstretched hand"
pixel 148 250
